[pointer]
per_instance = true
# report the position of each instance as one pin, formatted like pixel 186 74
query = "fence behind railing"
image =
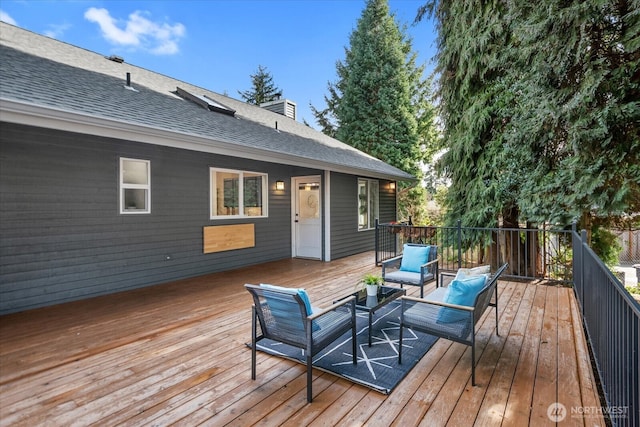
pixel 629 241
pixel 531 253
pixel 612 323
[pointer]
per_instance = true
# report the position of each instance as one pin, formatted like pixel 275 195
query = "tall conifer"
pixel 379 102
pixel 262 88
pixel 540 108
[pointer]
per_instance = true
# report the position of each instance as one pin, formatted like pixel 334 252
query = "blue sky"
pixel 218 44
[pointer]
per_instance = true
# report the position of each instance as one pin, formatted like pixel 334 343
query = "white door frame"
pixel 313 252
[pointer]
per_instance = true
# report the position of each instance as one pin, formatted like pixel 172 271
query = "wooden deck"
pixel 175 354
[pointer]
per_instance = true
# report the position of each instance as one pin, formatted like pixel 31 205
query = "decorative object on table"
pixel 372 283
pixel 378 366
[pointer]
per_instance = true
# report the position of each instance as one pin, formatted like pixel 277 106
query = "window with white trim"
pixel 238 194
pixel 135 186
pixel 368 203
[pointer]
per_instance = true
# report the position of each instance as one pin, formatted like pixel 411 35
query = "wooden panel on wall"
pixel 219 238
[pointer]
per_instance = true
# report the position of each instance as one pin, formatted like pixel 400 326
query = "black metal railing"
pixel 612 324
pixel 610 314
pixel 531 253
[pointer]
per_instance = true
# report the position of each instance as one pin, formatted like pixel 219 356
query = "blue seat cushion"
pixel 414 257
pixel 301 293
pixel 461 292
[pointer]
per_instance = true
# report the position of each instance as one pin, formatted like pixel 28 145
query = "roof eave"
pixel 12 111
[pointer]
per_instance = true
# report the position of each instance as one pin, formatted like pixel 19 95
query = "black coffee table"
pixel 371 304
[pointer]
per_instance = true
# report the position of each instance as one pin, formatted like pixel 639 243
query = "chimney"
pixel 281 106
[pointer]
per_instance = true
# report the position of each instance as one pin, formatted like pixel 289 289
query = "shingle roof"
pixel 47 74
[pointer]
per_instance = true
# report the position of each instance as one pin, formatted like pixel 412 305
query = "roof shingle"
pixel 48 74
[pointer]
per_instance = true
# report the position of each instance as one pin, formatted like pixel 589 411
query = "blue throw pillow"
pixel 301 293
pixel 413 257
pixel 461 292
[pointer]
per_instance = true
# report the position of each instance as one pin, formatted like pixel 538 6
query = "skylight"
pixel 206 102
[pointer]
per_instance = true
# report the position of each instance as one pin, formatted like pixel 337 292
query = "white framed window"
pixel 237 194
pixel 135 186
pixel 368 203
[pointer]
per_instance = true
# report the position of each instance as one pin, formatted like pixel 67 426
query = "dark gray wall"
pixel 388 204
pixel 345 238
pixel 62 237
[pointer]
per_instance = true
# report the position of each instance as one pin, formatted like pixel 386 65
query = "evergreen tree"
pixel 540 109
pixel 379 103
pixel 579 114
pixel 471 63
pixel 263 89
pixel 326 118
pixel 375 111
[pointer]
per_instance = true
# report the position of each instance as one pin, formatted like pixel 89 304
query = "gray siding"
pixel 345 238
pixel 388 207
pixel 62 237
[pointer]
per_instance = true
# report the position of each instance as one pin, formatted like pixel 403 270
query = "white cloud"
pixel 4 17
pixel 56 31
pixel 138 31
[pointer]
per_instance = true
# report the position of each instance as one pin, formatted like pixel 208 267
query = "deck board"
pixel 518 409
pixel 589 392
pixel 546 380
pixel 176 354
pixel 569 394
pixel 495 400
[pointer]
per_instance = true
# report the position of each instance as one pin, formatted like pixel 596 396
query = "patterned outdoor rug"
pixel 377 366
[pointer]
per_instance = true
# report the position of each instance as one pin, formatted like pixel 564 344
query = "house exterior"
pixel 113 177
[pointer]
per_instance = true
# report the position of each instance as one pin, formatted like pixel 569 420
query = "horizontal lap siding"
pixel 62 237
pixel 387 203
pixel 345 238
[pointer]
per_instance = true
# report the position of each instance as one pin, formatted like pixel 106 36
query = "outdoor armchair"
pixel 452 312
pixel 285 315
pixel 417 266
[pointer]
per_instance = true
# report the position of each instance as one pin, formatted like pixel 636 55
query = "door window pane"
pixel 309 200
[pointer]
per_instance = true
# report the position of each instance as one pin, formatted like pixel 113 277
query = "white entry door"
pixel 307 217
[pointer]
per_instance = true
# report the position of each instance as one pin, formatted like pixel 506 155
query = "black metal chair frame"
pixel 290 324
pixel 422 278
pixel 425 318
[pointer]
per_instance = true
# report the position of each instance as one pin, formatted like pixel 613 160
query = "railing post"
pixel 377 240
pixel 395 244
pixel 583 243
pixel 459 244
pixel 578 270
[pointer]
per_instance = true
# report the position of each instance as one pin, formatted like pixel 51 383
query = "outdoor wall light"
pixel 279 185
pixel 392 186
